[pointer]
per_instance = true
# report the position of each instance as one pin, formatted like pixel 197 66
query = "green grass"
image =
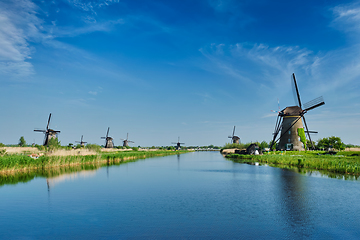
pixel 19 162
pixel 342 162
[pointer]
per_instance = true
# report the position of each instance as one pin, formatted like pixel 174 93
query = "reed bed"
pixel 342 162
pixel 19 162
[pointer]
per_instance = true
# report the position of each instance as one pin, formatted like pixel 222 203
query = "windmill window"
pixel 289 140
pixel 289 132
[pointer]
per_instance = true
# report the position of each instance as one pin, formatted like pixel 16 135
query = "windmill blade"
pixel 317 102
pixel 107 134
pixel 173 142
pixel 122 139
pixel 103 137
pixel 131 141
pixel 230 137
pixel 297 97
pixel 44 142
pixel 311 132
pixel 38 130
pixel 276 131
pixel 77 141
pixel 47 127
pixel 307 130
pixel 233 131
pixel 127 136
pixel 278 108
pixel 81 138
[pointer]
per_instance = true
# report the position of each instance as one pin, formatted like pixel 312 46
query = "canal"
pixel 198 195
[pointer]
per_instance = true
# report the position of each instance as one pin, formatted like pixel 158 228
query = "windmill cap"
pixel 292 111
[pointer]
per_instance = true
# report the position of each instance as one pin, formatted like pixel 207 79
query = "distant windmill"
pixel 81 141
pixel 234 139
pixel 289 121
pixel 126 141
pixel 178 144
pixel 49 133
pixel 278 107
pixel 108 140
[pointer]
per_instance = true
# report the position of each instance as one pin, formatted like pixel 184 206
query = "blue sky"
pixel 162 69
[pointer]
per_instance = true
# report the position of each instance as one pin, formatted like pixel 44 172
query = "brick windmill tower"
pixel 178 144
pixel 126 141
pixel 108 140
pixel 234 139
pixel 289 122
pixel 82 143
pixel 49 133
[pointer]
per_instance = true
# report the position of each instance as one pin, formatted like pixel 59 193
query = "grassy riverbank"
pixel 343 162
pixel 19 162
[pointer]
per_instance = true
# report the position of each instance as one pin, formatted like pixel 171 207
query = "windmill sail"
pixel 292 118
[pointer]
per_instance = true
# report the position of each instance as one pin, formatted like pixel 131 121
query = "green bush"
pixel 301 134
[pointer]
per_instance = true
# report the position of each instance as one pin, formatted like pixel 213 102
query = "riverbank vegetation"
pixel 321 144
pixel 344 162
pixel 22 162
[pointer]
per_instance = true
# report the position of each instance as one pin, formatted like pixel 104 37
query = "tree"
pixel 54 143
pixel 274 146
pixel 264 145
pixel 308 143
pixel 22 142
pixel 331 142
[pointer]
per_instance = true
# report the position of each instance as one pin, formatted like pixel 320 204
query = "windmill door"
pixel 289 146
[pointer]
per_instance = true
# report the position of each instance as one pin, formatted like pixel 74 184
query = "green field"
pixel 343 162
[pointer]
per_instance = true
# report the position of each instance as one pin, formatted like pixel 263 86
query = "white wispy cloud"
pixel 347 17
pixel 243 60
pixel 90 7
pixel 18 26
pixel 21 26
pixel 70 31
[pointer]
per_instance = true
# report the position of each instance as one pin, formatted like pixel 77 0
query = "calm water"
pixel 194 195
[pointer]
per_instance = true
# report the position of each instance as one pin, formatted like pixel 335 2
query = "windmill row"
pixel 52 134
pixel 289 127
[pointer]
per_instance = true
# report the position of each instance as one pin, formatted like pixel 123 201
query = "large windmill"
pixel 126 141
pixel 108 140
pixel 290 119
pixel 49 133
pixel 178 144
pixel 234 139
pixel 81 141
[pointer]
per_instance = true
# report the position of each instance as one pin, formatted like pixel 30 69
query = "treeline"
pixel 321 144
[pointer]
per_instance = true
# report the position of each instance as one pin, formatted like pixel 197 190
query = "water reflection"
pixel 294 202
pixel 52 181
pixel 55 175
